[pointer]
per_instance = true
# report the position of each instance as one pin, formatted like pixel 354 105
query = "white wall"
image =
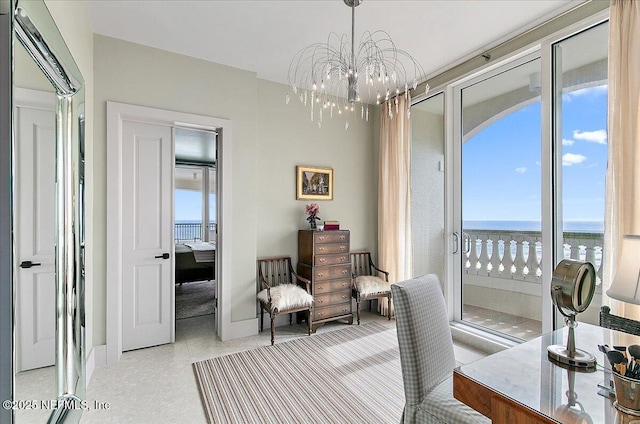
pixel 427 191
pixel 269 139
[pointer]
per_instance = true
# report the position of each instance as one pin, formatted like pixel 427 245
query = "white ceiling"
pixel 263 36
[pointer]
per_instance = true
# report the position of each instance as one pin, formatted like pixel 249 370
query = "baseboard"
pixel 97 358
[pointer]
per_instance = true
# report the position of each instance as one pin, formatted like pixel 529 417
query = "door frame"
pixel 116 114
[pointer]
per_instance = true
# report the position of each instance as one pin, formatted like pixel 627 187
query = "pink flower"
pixel 312 209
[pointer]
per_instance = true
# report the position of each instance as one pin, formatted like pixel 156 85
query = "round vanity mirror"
pixel 572 287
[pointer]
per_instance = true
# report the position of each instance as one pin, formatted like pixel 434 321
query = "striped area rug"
pixel 350 375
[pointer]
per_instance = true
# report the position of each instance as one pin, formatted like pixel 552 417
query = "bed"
pixel 195 262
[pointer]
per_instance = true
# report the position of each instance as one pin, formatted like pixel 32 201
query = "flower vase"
pixel 313 225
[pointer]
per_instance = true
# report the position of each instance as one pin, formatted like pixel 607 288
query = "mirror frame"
pixel 33 26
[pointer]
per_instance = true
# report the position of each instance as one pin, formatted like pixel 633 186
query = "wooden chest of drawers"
pixel 323 258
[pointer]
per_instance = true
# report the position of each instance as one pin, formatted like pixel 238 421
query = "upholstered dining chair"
pixel 282 291
pixel 367 284
pixel 426 355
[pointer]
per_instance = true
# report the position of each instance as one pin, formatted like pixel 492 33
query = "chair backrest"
pixel 424 337
pixel 361 263
pixel 275 271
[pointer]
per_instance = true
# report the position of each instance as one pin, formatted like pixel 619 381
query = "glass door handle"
pixel 467 242
pixel 456 242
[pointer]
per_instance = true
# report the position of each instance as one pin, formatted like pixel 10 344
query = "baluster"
pixel 532 261
pixel 484 255
pixel 574 251
pixel 599 266
pixel 495 257
pixel 509 259
pixel 473 255
pixel 519 259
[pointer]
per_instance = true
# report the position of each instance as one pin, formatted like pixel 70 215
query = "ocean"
pixel 569 226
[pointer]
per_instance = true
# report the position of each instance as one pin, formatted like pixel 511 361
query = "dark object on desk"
pixel 614 322
pixel 188 270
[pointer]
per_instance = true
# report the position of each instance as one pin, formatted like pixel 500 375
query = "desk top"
pixel 525 375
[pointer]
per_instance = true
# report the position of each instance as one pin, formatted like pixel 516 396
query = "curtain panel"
pixel 622 205
pixel 394 191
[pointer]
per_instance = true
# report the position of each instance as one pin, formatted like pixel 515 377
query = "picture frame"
pixel 314 183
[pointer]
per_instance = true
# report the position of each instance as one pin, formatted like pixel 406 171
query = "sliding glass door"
pixel 500 194
pixel 529 161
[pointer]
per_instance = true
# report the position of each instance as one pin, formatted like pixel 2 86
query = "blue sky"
pixel 501 164
pixel 188 204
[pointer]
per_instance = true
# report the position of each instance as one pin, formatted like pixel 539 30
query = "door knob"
pixel 28 264
pixel 163 256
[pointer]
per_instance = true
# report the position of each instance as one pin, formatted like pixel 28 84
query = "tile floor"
pixel 514 325
pixel 157 385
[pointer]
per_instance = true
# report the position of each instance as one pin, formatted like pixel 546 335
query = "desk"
pixel 521 385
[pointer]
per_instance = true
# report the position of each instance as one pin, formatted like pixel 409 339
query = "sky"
pixel 188 205
pixel 502 163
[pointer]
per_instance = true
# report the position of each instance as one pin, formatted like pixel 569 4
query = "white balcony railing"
pixel 516 255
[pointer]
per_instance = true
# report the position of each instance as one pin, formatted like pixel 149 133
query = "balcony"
pixel 502 278
pixel 186 232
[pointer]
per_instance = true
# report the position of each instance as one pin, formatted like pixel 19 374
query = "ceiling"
pixel 262 36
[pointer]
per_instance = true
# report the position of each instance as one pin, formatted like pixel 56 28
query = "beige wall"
pixel 286 138
pixel 269 139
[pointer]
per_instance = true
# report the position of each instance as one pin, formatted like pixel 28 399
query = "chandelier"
pixel 340 78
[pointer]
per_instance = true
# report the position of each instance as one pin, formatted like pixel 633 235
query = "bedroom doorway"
pixel 195 227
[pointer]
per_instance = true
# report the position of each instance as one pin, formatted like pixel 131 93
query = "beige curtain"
pixel 394 192
pixel 623 171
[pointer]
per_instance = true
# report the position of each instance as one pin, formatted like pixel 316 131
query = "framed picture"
pixel 314 183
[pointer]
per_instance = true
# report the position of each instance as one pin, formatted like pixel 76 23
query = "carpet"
pixel 195 299
pixel 350 375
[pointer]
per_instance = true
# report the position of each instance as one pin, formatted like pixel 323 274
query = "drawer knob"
pixel 342 247
pixel 344 309
pixel 323 260
pixel 320 287
pixel 343 259
pixel 342 237
pixel 344 297
pixel 321 249
pixel 320 275
pixel 321 238
pixel 344 271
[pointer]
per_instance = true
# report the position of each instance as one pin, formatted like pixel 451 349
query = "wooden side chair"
pixel 367 285
pixel 282 291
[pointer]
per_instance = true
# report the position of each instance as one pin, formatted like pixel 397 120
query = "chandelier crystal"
pixel 337 77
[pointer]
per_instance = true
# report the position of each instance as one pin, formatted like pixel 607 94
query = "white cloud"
pixel 569 159
pixel 598 136
pixel 521 170
pixel 567 142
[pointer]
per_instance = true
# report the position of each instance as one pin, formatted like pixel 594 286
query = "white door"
pixel 35 238
pixel 147 199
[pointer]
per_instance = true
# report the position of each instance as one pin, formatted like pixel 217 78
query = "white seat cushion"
pixel 368 284
pixel 286 296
